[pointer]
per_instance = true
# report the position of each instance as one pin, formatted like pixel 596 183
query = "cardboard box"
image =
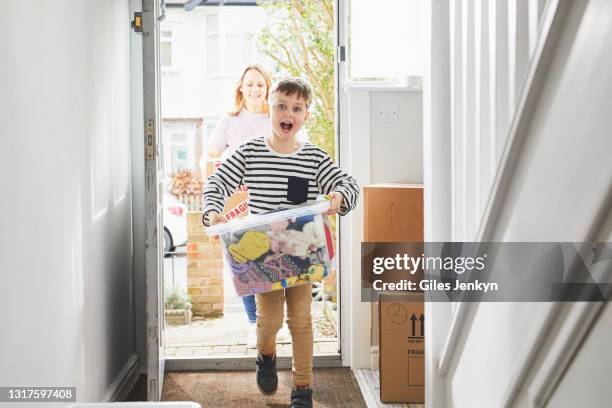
pixel 393 213
pixel 236 206
pixel 402 348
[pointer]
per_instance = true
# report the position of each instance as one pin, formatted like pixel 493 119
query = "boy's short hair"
pixel 292 85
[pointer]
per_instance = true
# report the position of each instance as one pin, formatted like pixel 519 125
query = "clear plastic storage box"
pixel 279 249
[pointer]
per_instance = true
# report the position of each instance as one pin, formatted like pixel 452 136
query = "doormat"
pixel 333 388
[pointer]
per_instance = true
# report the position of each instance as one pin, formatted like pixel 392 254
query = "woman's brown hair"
pixel 239 97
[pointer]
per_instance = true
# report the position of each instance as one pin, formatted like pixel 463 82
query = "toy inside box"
pixel 277 250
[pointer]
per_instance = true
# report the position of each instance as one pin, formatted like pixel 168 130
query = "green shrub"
pixel 176 298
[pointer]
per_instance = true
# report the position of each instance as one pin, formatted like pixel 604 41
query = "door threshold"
pixel 241 363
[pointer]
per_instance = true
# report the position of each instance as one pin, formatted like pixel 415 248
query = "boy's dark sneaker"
pixel 301 398
pixel 267 379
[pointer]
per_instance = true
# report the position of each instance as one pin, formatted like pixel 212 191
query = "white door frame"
pixel 352 129
pixel 340 67
pixel 436 179
pixel 151 10
pixel 344 277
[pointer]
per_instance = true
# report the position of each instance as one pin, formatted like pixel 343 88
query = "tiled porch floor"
pixel 322 347
pixel 226 336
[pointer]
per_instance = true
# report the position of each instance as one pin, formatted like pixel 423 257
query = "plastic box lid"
pixel 252 221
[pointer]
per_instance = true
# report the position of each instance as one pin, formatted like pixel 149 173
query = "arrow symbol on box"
pixel 422 319
pixel 414 319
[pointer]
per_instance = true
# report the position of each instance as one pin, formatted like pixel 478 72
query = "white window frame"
pixel 224 70
pixel 173 67
pixel 221 45
pixel 243 34
pixel 167 40
pixel 408 83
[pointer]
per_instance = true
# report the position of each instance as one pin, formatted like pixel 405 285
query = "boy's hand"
pixel 216 218
pixel 336 201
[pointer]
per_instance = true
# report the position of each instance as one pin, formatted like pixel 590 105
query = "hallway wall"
pixel 372 151
pixel 553 184
pixel 67 312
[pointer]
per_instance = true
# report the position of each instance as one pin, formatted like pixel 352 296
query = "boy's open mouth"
pixel 286 125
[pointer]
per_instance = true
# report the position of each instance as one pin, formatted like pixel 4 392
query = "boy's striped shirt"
pixel 275 180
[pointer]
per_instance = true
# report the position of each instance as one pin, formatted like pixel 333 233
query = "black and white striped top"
pixel 277 180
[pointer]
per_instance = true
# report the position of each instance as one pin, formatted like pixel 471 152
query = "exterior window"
pixel 179 138
pixel 243 55
pixel 166 53
pixel 230 39
pixel 213 46
pixel 165 48
pixel 179 159
pixel 395 49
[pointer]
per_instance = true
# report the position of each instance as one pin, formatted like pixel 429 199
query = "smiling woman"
pixel 250 116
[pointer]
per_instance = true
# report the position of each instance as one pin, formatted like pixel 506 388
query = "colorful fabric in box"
pixel 249 284
pixel 251 246
pixel 257 277
pixel 279 255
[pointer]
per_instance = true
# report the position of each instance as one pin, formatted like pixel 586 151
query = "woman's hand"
pixel 336 202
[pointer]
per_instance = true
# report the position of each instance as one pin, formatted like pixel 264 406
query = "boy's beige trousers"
pixel 270 313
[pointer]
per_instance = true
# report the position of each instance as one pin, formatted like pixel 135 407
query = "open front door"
pixel 151 9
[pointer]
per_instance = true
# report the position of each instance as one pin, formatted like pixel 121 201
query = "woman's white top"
pixel 233 131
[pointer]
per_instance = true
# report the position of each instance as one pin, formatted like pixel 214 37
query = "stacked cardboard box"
pixel 394 213
pixel 402 348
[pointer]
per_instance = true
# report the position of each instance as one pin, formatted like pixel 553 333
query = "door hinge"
pixel 150 142
pixel 341 53
pixel 137 22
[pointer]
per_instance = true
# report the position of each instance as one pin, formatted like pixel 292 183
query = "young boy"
pixel 281 172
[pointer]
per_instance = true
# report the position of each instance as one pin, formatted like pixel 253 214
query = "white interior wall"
pixel 369 148
pixel 396 146
pixel 592 364
pixel 66 215
pixel 559 190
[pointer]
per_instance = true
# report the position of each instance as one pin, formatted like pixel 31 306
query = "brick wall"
pixel 204 269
